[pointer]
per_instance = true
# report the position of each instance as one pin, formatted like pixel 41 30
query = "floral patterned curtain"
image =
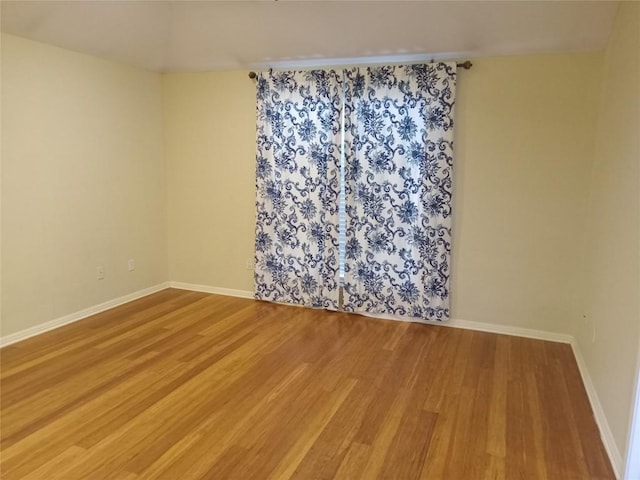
pixel 398 159
pixel 298 183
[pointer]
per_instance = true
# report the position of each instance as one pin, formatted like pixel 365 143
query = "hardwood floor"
pixel 184 385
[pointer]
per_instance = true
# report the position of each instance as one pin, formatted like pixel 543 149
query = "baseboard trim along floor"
pixel 76 316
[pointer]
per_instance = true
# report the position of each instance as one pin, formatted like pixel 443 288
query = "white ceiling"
pixel 212 35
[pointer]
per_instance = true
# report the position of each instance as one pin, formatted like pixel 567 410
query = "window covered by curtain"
pixel 298 185
pixel 398 161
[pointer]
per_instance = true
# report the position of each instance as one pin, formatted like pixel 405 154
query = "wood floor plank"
pixel 51 468
pixel 497 421
pixel 354 462
pixel 325 455
pixel 190 385
pixel 315 424
pixel 404 459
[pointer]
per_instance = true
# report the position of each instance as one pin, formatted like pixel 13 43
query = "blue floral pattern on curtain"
pixel 399 158
pixel 298 184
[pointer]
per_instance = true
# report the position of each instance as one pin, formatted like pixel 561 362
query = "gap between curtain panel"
pixel 354 187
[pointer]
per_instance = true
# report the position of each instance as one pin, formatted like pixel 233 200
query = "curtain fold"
pixel 398 162
pixel 297 187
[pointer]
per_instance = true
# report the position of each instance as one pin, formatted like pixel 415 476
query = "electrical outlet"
pixel 100 272
pixel 131 265
pixel 250 264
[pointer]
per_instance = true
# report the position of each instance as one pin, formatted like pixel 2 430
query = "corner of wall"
pixel 606 435
pixel 606 337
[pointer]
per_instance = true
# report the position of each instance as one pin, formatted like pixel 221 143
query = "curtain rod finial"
pixel 252 75
pixel 466 65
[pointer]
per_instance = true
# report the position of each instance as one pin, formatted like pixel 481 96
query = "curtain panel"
pixel 297 187
pixel 398 162
pixel 383 136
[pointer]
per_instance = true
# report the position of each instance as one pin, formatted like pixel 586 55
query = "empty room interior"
pixel 320 239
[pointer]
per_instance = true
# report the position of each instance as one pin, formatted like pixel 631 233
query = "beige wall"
pixel 89 129
pixel 612 263
pixel 83 182
pixel 523 154
pixel 210 151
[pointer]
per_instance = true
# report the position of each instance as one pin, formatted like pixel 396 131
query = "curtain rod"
pixel 466 65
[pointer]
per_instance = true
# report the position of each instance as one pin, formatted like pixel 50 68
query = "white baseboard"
pixel 208 289
pixel 74 317
pixel 509 330
pixel 598 412
pixel 456 323
pixel 484 327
